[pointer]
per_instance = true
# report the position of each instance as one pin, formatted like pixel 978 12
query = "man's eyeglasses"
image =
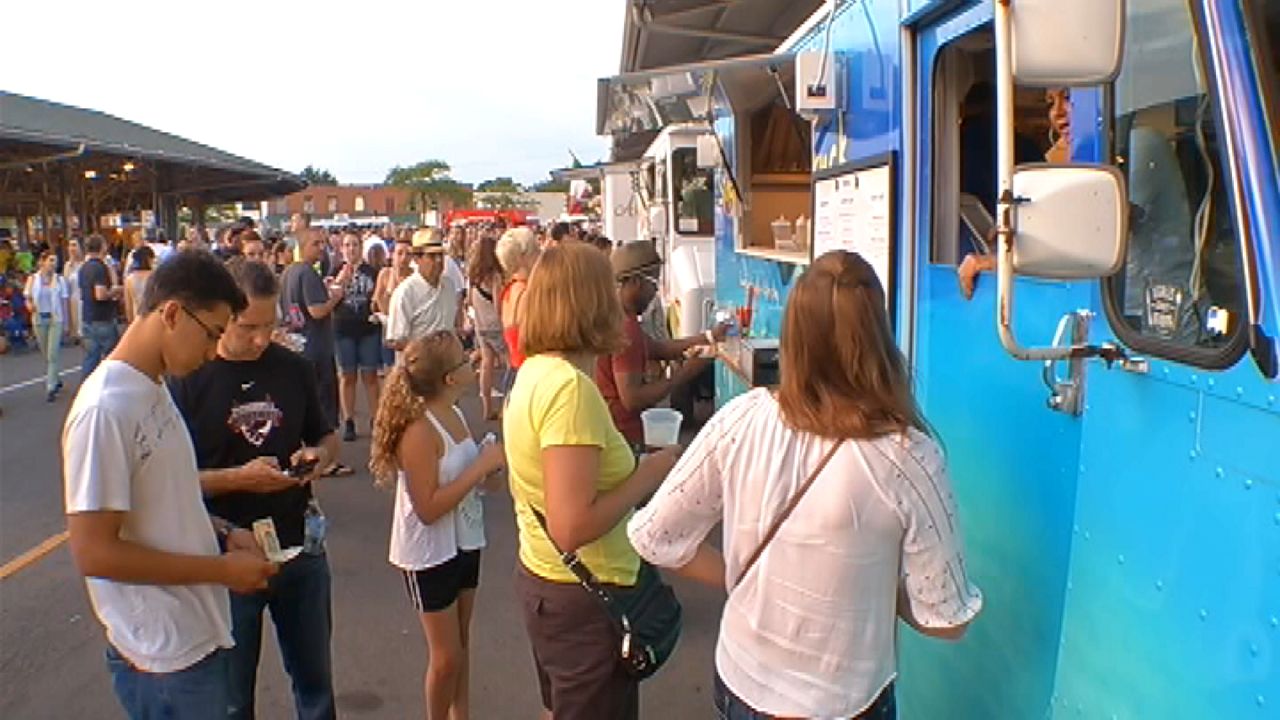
pixel 213 335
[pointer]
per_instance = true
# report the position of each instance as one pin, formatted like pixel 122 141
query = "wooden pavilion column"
pixel 64 203
pixel 24 232
pixel 45 228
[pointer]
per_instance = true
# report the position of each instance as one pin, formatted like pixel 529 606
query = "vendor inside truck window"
pixel 978 176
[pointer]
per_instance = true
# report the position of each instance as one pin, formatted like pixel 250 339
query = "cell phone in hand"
pixel 302 469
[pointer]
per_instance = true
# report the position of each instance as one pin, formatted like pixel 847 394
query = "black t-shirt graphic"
pixel 351 316
pixel 238 411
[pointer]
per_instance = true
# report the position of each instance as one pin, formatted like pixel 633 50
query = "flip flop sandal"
pixel 338 470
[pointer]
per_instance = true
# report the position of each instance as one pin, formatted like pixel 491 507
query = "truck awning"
pixel 666 33
pixel 652 99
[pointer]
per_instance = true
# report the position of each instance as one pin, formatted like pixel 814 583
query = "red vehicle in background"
pixel 467 217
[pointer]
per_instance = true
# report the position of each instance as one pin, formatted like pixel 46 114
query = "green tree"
pixel 502 193
pixel 316 176
pixel 551 184
pixel 429 184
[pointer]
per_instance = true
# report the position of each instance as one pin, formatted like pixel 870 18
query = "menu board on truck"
pixel 853 210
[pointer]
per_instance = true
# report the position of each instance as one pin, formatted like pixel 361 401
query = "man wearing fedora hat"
pixel 621 377
pixel 427 300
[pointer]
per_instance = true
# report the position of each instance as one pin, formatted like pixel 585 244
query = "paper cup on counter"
pixel 661 427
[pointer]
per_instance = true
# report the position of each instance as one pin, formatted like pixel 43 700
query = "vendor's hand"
pixel 317 456
pixel 721 331
pixel 241 539
pixel 263 475
pixel 970 267
pixel 245 572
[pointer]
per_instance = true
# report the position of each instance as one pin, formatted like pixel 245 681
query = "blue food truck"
pixel 1102 175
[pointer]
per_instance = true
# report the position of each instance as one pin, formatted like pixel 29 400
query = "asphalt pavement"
pixel 51 645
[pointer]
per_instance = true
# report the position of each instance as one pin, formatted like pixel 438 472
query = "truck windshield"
pixel 1181 288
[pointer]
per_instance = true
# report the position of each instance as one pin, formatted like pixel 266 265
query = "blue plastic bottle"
pixel 314 526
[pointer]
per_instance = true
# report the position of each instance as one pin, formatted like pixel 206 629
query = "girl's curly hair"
pixel 416 379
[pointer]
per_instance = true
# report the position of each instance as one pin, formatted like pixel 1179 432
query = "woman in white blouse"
pixel 49 295
pixel 809 629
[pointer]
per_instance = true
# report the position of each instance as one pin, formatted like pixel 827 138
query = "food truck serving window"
pixel 772 157
pixel 1181 292
pixel 695 209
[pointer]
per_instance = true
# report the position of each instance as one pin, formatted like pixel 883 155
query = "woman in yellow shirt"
pixel 567 461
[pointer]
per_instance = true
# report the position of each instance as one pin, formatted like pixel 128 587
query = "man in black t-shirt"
pixel 251 412
pixel 359 339
pixel 100 305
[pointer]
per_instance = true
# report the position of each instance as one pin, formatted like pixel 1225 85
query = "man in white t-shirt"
pixel 155 567
pixel 427 300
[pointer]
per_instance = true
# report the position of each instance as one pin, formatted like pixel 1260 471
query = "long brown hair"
pixel 417 379
pixel 842 373
pixel 482 261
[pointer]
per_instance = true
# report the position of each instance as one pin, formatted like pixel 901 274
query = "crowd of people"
pixel 239 375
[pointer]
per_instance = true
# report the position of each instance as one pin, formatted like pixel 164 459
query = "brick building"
pixel 348 201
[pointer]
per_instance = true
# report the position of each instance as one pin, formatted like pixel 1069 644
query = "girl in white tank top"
pixel 416 545
pixel 422 444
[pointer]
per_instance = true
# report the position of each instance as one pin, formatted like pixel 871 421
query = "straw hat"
pixel 428 240
pixel 634 258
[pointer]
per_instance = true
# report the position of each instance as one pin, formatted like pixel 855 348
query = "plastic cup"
pixel 661 427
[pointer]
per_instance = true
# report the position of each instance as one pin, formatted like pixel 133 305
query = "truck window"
pixel 964 143
pixel 693 187
pixel 1180 294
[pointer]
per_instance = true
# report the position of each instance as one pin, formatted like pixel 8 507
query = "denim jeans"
pixel 100 338
pixel 732 707
pixel 49 337
pixel 198 692
pixel 299 600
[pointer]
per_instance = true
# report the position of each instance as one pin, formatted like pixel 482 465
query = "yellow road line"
pixel 31 556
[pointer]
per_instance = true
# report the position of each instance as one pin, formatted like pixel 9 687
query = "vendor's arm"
pixel 676 349
pixel 637 395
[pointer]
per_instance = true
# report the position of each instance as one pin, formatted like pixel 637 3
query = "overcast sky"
pixel 493 87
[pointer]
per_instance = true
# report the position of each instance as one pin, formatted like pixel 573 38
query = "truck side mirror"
pixel 1070 221
pixel 1056 43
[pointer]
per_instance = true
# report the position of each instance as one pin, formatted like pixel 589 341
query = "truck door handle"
pixel 1066 394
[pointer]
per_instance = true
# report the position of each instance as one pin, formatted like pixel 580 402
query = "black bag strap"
pixel 574 564
pixel 786 512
